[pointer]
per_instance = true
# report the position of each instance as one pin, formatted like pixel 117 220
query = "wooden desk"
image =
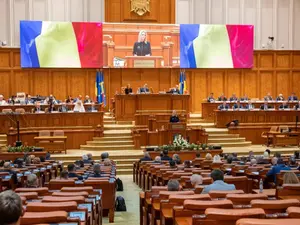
pixel 52 143
pixel 78 127
pixel 208 109
pixel 126 106
pixel 275 116
pixel 283 139
pixel 269 192
pixel 14 155
pixel 143 61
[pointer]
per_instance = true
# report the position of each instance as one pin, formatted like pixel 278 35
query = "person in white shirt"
pixel 79 107
pixel 2 101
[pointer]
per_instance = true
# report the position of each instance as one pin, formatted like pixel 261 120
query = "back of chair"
pixel 274 206
pixel 6 110
pixel 41 191
pixel 20 110
pixel 59 184
pixel 44 133
pixel 203 205
pixel 78 199
pixel 181 198
pixel 240 183
pixel 166 194
pixel 29 195
pixel 244 199
pixel 222 194
pixel 293 212
pixel 268 221
pixel 51 206
pixel 71 194
pixel 78 189
pixel 58 133
pixel 44 217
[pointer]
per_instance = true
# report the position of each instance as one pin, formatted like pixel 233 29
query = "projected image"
pixel 140 45
pixel 216 46
pixel 61 44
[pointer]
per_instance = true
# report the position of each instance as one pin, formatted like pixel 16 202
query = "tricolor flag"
pixel 100 90
pixel 182 83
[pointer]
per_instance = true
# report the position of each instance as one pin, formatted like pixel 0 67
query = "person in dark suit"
pixel 28 100
pixel 37 108
pixel 268 97
pixel 297 106
pixel 63 108
pixel 174 90
pixel 128 89
pixel 72 172
pixel 142 47
pixel 165 156
pixel 237 105
pixel 280 97
pixel 265 106
pixel 271 175
pixel 97 171
pixel 244 98
pixel 293 97
pixel 224 106
pixel 249 106
pixel 144 89
pixel 174 118
pixel 211 98
pixel 146 157
pixel 7 168
pixel 87 100
pixel 222 98
pixel 92 108
pixel 284 105
pixel 233 98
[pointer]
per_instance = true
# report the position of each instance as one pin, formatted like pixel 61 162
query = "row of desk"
pixel 209 108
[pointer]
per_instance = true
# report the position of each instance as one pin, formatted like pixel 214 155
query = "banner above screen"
pixel 128 45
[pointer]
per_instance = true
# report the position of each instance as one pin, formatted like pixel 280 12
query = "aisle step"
pixel 113 138
pixel 225 140
pixel 106 148
pixel 107 143
pixel 233 144
pixel 217 136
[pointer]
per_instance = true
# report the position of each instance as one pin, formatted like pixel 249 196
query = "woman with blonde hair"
pixel 142 47
pixel 290 178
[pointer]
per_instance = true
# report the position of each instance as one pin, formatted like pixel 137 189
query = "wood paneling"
pixel 161 11
pixel 274 71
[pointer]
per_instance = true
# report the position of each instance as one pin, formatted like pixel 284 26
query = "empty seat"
pixel 77 189
pixel 6 110
pixel 71 194
pixel 44 217
pixel 274 206
pixel 244 199
pixel 29 195
pixel 181 198
pixel 41 191
pixel 59 184
pixel 51 206
pixel 78 199
pixel 293 212
pixel 202 205
pixel 268 221
pixel 20 110
pixel 233 214
pixel 222 194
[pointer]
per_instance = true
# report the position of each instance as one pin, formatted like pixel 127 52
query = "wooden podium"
pixel 175 129
pixel 143 61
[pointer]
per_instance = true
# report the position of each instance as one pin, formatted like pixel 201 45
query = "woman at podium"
pixel 174 118
pixel 142 47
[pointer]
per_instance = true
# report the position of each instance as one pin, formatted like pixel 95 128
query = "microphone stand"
pixel 18 142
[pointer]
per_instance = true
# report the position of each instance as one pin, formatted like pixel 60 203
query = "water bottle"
pixel 261 186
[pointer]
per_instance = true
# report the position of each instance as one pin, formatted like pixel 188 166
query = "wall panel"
pixel 217 11
pixel 296 23
pixel 233 12
pixel 76 10
pixel 5 21
pixel 39 10
pixel 20 12
pixel 276 72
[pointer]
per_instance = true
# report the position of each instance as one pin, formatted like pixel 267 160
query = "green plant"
pixel 204 146
pixel 210 147
pixel 20 148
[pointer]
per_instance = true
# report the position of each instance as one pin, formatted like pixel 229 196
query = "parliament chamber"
pixel 149 112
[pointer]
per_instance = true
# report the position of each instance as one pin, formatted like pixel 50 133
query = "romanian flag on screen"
pixel 47 44
pixel 216 46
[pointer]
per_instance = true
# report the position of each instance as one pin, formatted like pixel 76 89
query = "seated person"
pixel 72 172
pixel 297 106
pixel 233 98
pixel 51 108
pixel 69 99
pixel 37 108
pixel 87 100
pixel 32 181
pixel 224 106
pixel 265 106
pixel 293 163
pixel 233 123
pixel 28 100
pixel 196 179
pixel 2 101
pixel 290 178
pixel 280 97
pixel 271 175
pixel 92 108
pixel 249 106
pixel 218 183
pixel 211 98
pixel 157 160
pixel 144 89
pixel 268 97
pixel 175 90
pixel 222 98
pixel 187 164
pixel 173 164
pixel 64 175
pixel 104 156
pixel 293 97
pixel 79 106
pixel 165 156
pixel 107 162
pixel 11 208
pixel 97 170
pixel 176 159
pixel 146 157
pixel 244 98
pixel 63 108
pixel 217 159
pixel 174 118
pixel 237 105
pixel 7 168
pixel 128 89
pixel 86 160
pixel 90 157
pixel 36 160
pixel 173 185
pixel 284 105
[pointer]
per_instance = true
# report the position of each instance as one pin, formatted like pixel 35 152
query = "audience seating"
pixel 268 221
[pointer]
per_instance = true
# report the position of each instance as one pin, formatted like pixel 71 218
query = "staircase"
pixel 3 141
pixel 218 136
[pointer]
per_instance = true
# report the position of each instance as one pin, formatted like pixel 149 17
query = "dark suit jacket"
pixel 233 99
pixel 209 99
pixel 297 106
pixel 174 119
pixel 280 99
pixel 75 175
pixel 145 159
pixel 263 107
pixel 174 91
pixel 236 106
pixel 144 90
pixel 142 48
pixel 222 107
pixel 244 99
pixel 276 169
pixel 166 158
pixel 248 106
pixel 222 99
pixel 284 106
pixel 128 90
pixel 63 109
pixel 295 98
pixel 95 175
